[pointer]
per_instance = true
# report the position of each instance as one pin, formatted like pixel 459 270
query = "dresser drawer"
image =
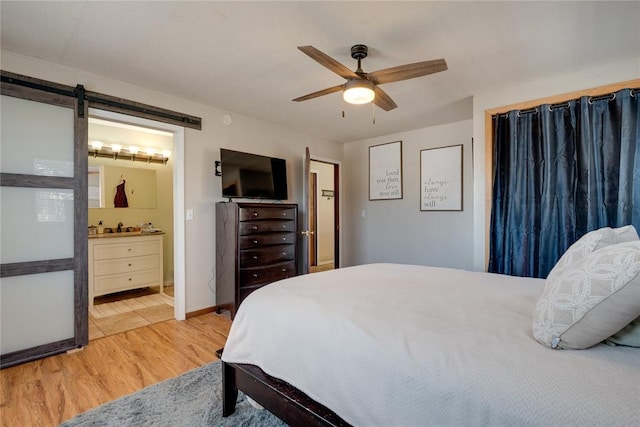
pixel 267 255
pixel 252 227
pixel 257 275
pixel 249 214
pixel 256 240
pixel 114 282
pixel 125 250
pixel 124 265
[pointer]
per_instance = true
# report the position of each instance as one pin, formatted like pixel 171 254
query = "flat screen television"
pixel 246 175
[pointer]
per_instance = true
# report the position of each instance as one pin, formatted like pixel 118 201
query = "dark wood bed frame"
pixel 280 398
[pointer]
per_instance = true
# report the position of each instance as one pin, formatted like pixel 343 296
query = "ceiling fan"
pixel 361 87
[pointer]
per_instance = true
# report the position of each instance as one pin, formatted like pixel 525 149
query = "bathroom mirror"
pixel 137 186
pixel 96 186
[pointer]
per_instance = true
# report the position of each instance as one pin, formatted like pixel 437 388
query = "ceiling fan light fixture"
pixel 358 91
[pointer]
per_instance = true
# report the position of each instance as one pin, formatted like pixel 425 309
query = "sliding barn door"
pixel 43 209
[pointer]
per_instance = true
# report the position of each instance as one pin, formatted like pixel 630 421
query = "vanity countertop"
pixel 124 234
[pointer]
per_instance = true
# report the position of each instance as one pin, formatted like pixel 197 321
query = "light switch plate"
pixel 189 214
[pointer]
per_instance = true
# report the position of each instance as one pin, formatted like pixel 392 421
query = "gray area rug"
pixel 192 399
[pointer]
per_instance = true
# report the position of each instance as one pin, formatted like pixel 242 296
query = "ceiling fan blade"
pixel 408 71
pixel 383 100
pixel 327 61
pixel 320 93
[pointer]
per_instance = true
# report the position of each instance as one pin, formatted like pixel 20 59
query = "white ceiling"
pixel 241 56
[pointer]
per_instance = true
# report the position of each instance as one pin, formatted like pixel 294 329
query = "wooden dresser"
pixel 123 262
pixel 256 244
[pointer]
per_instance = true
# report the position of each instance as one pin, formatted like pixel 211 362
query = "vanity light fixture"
pixel 133 153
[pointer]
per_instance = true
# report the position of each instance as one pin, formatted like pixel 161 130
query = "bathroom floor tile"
pixel 120 322
pixel 156 313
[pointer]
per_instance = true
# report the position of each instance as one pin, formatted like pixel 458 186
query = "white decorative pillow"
pixel 590 300
pixel 591 242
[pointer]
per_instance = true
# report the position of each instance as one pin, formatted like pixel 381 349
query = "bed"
pixel 408 345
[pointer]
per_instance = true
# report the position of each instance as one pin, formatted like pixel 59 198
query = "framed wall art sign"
pixel 441 179
pixel 385 171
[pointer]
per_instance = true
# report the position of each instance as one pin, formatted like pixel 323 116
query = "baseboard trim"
pixel 201 311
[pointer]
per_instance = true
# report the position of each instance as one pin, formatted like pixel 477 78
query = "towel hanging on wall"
pixel 120 200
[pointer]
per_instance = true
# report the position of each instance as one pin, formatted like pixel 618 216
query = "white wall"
pixel 396 230
pixel 556 85
pixel 202 189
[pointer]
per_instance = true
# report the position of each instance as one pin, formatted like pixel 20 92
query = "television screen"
pixel 252 176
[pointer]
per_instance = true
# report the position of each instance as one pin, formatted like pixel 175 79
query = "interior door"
pixel 43 233
pixel 309 237
pixel 304 210
pixel 313 216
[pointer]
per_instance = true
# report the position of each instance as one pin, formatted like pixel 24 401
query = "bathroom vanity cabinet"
pixel 123 261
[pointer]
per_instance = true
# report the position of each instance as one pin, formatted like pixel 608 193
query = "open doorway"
pixel 323 216
pixel 169 219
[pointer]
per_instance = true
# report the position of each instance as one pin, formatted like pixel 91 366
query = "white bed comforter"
pixel 404 345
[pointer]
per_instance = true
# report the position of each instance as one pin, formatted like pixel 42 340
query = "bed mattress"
pixel 406 345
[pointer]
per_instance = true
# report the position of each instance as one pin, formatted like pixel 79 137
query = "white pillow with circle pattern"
pixel 592 241
pixel 591 299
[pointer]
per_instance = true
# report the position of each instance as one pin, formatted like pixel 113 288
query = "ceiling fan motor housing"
pixel 359 51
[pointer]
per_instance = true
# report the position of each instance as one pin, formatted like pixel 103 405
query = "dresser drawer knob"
pixel 255 275
pixel 255 227
pixel 284 253
pixel 255 214
pixel 284 270
pixel 255 257
pixel 255 242
pixel 284 239
pixel 284 214
pixel 129 278
pixel 129 264
pixel 284 226
pixel 129 250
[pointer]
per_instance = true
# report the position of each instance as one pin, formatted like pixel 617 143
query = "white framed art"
pixel 385 171
pixel 441 179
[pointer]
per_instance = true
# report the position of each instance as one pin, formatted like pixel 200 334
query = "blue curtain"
pixel 561 171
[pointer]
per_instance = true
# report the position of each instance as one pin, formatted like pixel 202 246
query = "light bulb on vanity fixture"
pixel 115 148
pixel 165 155
pixel 133 150
pixel 96 146
pixel 150 152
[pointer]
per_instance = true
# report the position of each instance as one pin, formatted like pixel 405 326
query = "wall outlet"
pixel 189 214
pixel 363 214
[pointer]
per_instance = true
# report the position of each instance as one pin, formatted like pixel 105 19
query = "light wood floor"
pixel 49 391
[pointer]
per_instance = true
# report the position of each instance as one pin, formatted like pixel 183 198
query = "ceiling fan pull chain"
pixel 373 112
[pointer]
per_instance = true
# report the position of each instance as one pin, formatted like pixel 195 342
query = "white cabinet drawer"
pixel 120 263
pixel 124 265
pixel 125 250
pixel 114 282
